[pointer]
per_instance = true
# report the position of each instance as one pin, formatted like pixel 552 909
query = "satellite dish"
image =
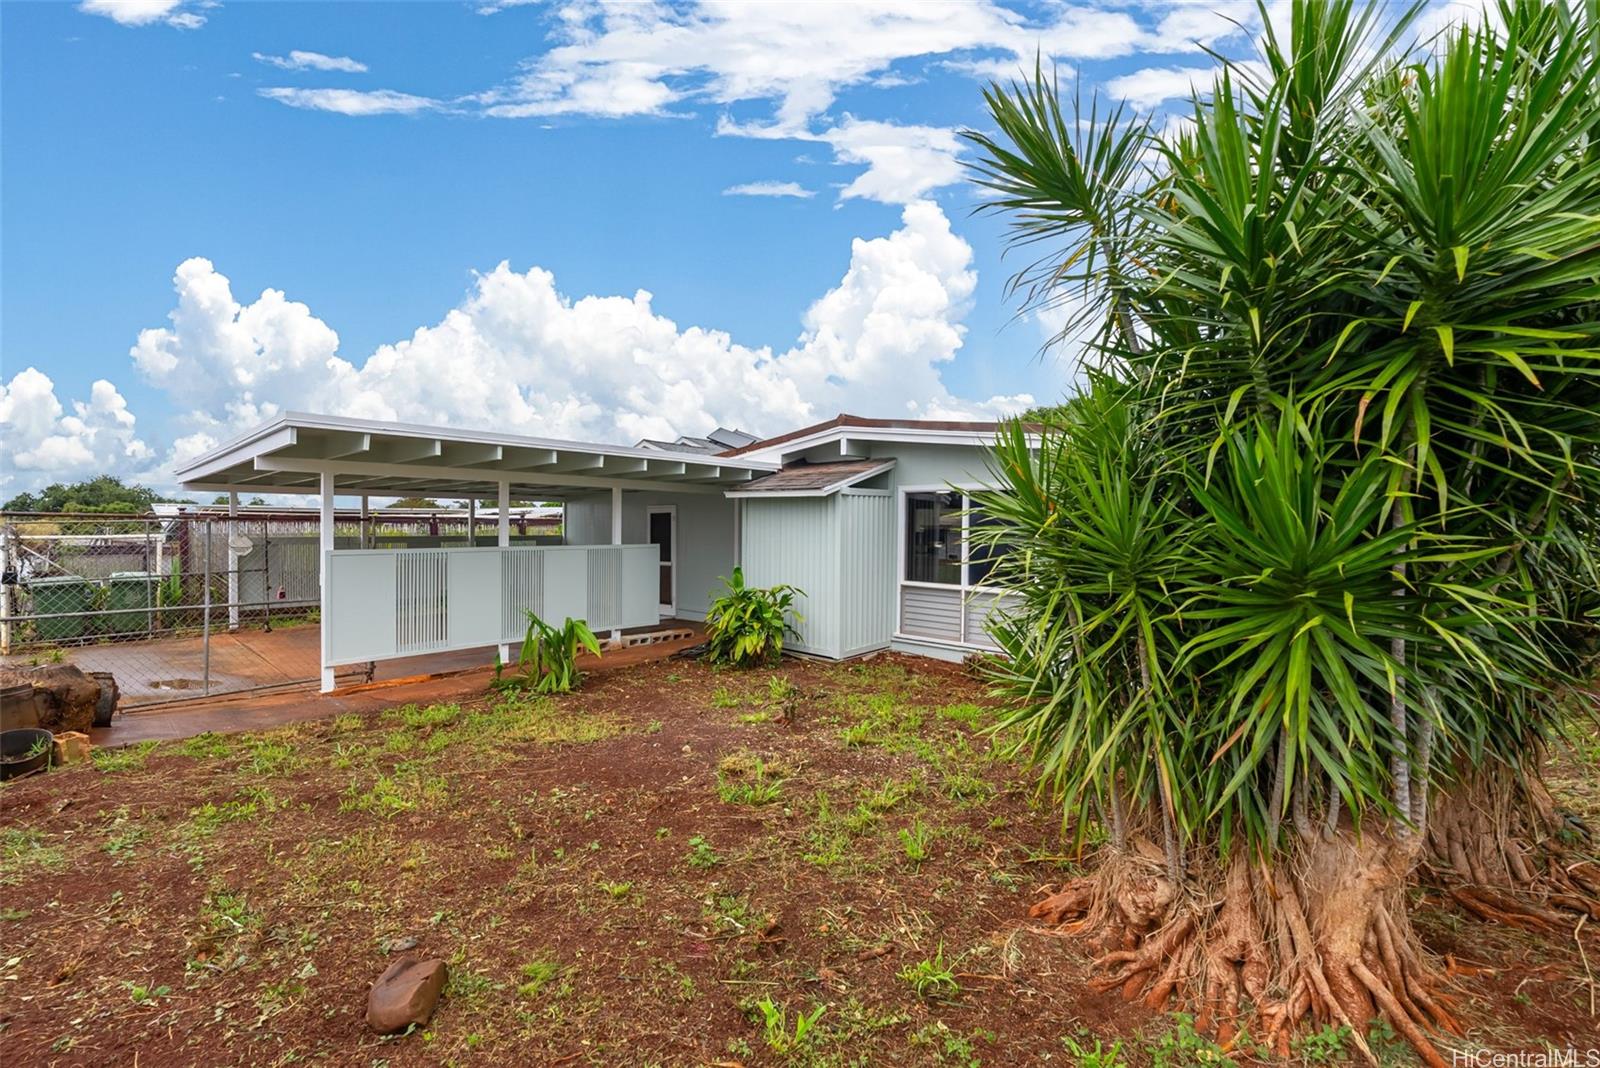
pixel 240 545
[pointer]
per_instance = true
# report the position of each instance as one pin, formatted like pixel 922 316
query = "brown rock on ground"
pixel 63 696
pixel 405 994
pixel 71 747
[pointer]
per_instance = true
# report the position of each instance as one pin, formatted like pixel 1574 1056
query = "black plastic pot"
pixel 16 747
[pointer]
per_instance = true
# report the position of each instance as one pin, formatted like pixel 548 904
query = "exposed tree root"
pixel 1322 940
pixel 1499 846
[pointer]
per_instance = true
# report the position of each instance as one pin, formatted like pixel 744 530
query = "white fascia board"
pixel 264 439
pixel 898 435
pixel 453 480
pixel 280 433
pixel 449 434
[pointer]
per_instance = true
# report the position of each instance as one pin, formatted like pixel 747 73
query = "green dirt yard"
pixel 659 869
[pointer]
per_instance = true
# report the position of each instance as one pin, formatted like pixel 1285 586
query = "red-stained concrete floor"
pixel 260 711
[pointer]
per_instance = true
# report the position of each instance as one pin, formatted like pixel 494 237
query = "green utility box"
pixel 130 595
pixel 58 594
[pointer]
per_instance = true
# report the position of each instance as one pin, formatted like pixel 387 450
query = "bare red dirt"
pixel 616 877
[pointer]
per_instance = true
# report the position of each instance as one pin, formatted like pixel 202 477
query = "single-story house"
pixel 865 516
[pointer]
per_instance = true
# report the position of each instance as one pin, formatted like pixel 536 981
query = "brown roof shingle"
pixel 803 477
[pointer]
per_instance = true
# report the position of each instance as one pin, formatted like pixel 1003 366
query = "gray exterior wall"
pixel 705 537
pixel 868 607
pixel 842 551
pixel 867 542
pixel 795 540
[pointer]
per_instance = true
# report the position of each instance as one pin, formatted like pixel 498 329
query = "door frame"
pixel 675 562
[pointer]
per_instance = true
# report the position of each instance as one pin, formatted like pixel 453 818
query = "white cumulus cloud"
pixel 635 59
pixel 47 441
pixel 145 12
pixel 903 162
pixel 352 101
pixel 300 60
pixel 768 189
pixel 1153 86
pixel 517 354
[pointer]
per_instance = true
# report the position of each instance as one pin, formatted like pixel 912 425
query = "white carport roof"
pixel 291 453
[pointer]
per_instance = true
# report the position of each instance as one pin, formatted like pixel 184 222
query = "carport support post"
pixel 503 530
pixel 325 539
pixel 233 560
pixel 616 539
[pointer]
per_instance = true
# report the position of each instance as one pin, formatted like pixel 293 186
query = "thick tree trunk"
pixel 1500 846
pixel 1320 936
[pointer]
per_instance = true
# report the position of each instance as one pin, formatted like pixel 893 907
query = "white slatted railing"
pixel 387 603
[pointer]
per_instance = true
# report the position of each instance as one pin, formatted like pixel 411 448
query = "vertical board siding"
pixel 796 540
pixel 929 612
pixel 422 603
pixel 522 580
pixel 387 603
pixel 603 608
pixel 867 571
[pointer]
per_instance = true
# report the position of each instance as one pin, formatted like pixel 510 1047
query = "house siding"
pixel 796 540
pixel 705 537
pixel 867 562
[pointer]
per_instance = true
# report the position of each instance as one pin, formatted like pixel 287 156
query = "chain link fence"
pixel 191 604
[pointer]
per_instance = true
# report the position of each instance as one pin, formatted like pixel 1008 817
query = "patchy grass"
pixel 129 758
pixel 818 866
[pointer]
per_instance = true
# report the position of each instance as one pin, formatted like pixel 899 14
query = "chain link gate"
pixel 191 605
pixel 173 607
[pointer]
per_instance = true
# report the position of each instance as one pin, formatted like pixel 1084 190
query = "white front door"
pixel 664 533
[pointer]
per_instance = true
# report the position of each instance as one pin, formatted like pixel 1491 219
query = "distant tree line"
pixel 107 493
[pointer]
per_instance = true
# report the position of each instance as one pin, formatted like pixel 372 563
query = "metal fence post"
pixel 233 560
pixel 205 623
pixel 11 577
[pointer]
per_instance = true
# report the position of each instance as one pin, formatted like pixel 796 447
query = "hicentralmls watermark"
pixel 1570 1057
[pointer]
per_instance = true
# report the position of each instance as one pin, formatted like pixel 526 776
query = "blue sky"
pixel 212 212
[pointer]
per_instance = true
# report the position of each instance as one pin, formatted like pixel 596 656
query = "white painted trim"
pixel 897 435
pixel 460 476
pixel 325 544
pixel 616 539
pixel 282 432
pixel 933 648
pixel 672 510
pixel 965 489
pixel 503 540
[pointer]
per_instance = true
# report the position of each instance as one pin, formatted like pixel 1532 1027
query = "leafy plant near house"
pixel 746 626
pixel 1307 577
pixel 548 659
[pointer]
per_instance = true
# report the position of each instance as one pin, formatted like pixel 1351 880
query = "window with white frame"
pixel 937 524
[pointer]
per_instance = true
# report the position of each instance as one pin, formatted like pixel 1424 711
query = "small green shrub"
pixel 746 626
pixel 701 855
pixel 548 659
pixel 1098 1057
pixel 932 978
pixel 775 1024
pixel 915 841
pixel 745 780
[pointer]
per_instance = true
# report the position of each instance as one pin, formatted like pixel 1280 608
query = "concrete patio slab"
pixel 446 679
